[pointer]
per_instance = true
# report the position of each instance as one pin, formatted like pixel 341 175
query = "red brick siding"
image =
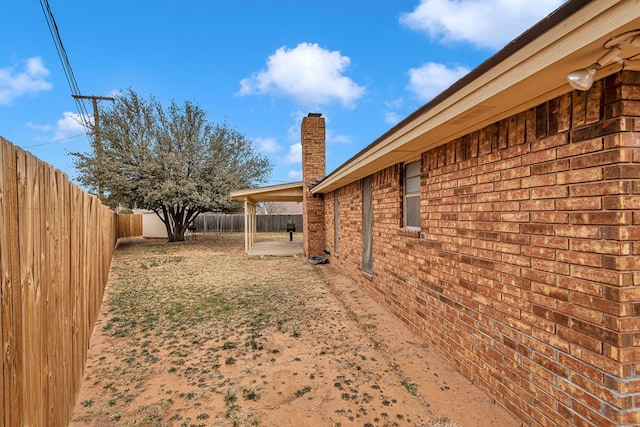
pixel 350 223
pixel 313 159
pixel 525 274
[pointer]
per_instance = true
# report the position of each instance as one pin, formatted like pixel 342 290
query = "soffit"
pixel 527 72
pixel 291 192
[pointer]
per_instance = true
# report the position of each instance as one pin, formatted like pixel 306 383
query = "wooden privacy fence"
pixel 129 225
pixel 56 243
pixel 212 222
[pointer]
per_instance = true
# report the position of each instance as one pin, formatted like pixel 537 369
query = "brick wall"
pixel 526 273
pixel 313 160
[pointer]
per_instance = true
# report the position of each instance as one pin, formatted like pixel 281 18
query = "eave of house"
pixel 529 71
pixel 290 192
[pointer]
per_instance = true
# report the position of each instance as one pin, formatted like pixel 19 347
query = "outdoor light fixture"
pixel 583 79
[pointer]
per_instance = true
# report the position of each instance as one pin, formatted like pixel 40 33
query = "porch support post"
pixel 249 224
pixel 254 221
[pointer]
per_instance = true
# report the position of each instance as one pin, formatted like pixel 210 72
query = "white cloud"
pixel 483 23
pixel 266 145
pixel 396 103
pixel 70 125
pixel 293 133
pixel 308 73
pixel 30 81
pixel 294 175
pixel 340 138
pixel 431 78
pixel 41 128
pixel 392 118
pixel 114 93
pixel 294 155
pixel 35 67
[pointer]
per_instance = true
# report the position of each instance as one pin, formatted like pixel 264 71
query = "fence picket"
pixel 27 197
pixel 3 235
pixel 12 339
pixel 44 274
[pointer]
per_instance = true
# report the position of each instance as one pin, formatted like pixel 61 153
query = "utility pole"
pixel 96 136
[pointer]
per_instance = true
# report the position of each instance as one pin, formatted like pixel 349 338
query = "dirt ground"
pixel 198 334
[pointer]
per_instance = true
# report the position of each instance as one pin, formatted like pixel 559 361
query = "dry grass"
pixel 198 334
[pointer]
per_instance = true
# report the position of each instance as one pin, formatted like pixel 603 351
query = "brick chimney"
pixel 313 169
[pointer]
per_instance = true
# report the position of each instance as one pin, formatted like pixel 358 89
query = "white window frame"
pixel 367 224
pixel 336 223
pixel 411 195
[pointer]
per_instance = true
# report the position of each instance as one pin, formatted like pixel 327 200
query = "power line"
pixel 54 141
pixel 66 65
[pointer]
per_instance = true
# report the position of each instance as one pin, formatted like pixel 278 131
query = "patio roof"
pixel 290 192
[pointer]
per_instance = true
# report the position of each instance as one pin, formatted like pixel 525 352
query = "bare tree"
pixel 270 208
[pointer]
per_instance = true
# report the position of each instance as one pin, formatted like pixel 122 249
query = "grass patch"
pixel 87 402
pixel 411 387
pixel 229 345
pixel 250 394
pixel 302 391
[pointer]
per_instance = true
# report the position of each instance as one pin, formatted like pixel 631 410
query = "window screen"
pixel 336 222
pixel 367 225
pixel 412 195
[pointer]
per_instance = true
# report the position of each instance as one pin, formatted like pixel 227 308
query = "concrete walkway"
pixel 281 248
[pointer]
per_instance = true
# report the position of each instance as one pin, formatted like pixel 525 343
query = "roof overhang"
pixel 291 192
pixel 527 72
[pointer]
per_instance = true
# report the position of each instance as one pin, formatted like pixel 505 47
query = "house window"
pixel 336 222
pixel 411 205
pixel 367 225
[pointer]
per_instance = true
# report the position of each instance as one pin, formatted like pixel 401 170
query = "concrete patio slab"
pixel 280 248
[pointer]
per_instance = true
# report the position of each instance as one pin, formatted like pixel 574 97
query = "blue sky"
pixel 258 65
